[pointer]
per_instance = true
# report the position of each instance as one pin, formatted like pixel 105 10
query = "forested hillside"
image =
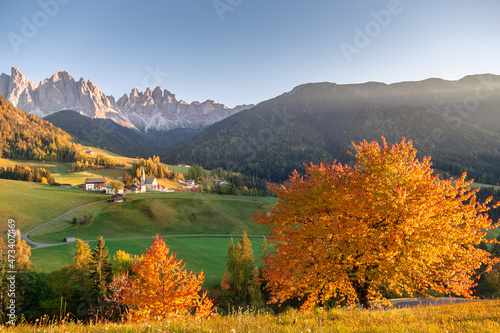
pixel 25 136
pixel 316 122
pixel 107 134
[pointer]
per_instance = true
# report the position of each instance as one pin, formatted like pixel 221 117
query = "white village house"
pixel 146 184
pixel 137 188
pixel 109 189
pixel 95 184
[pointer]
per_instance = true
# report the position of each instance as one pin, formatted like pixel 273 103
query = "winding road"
pixel 410 303
pixel 38 245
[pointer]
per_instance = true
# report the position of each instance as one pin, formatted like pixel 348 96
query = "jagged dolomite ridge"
pixel 158 109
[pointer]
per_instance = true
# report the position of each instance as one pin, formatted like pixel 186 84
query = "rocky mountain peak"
pixel 61 76
pixel 134 93
pixel 155 109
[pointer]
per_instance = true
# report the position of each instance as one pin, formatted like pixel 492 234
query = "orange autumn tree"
pixel 384 224
pixel 160 287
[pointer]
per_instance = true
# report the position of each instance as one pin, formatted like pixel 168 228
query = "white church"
pixel 146 184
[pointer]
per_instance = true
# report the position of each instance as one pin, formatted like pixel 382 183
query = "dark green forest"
pixel 276 137
pixel 107 134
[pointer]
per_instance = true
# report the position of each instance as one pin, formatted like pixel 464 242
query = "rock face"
pixel 157 109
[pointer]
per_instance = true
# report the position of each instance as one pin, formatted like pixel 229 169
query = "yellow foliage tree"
pixel 123 262
pixel 384 224
pixel 22 254
pixel 160 287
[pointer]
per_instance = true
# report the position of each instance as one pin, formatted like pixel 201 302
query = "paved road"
pixel 34 244
pixel 409 303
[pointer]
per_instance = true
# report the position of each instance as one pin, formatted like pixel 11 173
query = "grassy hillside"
pixel 148 214
pixel 129 226
pixel 31 204
pixel 61 170
pixel 62 174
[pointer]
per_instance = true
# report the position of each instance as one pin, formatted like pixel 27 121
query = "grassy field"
pixel 128 161
pixel 31 204
pixel 463 318
pixel 142 215
pixel 59 170
pixel 169 183
pixel 199 253
pixel 148 214
pixel 62 174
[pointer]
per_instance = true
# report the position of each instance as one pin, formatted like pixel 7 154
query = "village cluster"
pixel 146 184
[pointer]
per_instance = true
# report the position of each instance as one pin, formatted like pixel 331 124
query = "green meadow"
pixel 198 253
pixel 129 226
pixel 31 204
pixel 148 214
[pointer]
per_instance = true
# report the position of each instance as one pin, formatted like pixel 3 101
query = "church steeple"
pixel 143 176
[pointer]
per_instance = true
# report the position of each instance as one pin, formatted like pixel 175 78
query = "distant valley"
pixel 107 134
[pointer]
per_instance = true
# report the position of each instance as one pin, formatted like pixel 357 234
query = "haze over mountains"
pixel 455 122
pixel 153 109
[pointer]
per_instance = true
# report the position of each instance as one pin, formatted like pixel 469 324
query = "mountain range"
pixel 457 123
pixel 155 109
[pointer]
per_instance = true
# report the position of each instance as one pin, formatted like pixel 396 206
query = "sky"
pixel 247 51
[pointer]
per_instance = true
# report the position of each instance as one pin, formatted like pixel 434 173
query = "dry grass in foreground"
pixel 465 317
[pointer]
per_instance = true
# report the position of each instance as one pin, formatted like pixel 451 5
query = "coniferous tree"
pixel 242 279
pixel 123 262
pixel 80 274
pixel 161 287
pixel 100 268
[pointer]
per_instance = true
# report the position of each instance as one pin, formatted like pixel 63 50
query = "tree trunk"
pixel 362 293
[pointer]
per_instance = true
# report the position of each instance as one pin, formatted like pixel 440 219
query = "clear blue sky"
pixel 247 51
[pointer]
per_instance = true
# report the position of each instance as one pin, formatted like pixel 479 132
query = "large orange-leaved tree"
pixel 160 287
pixel 386 223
